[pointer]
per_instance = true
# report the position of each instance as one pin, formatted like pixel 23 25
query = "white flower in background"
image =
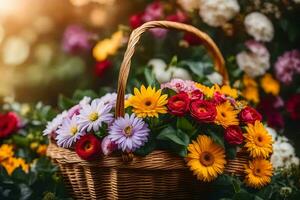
pixel 163 75
pixel 215 78
pixel 68 133
pixel 109 99
pixel 189 5
pixel 53 125
pixel 259 26
pixel 93 115
pixel 255 61
pixel 15 51
pixel 296 1
pixel 180 73
pixel 283 152
pixel 217 12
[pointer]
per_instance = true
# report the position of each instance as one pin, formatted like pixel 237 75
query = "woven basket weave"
pixel 159 175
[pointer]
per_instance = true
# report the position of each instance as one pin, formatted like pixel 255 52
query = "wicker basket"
pixel 159 175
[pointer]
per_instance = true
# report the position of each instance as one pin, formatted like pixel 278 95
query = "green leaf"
pixel 236 185
pixel 217 137
pixel 65 103
pixel 243 195
pixel 147 148
pixel 149 76
pixel 230 152
pixel 170 134
pixel 199 68
pixel 186 126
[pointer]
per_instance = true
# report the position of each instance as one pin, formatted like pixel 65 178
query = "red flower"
pixel 179 104
pixel 233 135
pixel 196 95
pixel 179 16
pixel 9 123
pixel 219 98
pixel 293 107
pixel 88 147
pixel 136 20
pixel 203 111
pixel 101 67
pixel 250 115
pixel 192 39
pixel 275 120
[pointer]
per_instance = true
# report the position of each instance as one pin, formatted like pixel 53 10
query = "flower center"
pixel 207 159
pixel 148 103
pixel 257 172
pixel 74 130
pixel 201 109
pixel 223 114
pixel 87 146
pixel 128 131
pixel 93 116
pixel 259 141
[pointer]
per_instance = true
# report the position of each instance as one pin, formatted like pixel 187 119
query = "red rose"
pixel 136 20
pixel 196 95
pixel 293 107
pixel 233 135
pixel 219 98
pixel 101 67
pixel 250 115
pixel 179 104
pixel 88 147
pixel 203 111
pixel 9 123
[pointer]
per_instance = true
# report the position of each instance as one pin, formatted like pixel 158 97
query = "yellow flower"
pixel 6 151
pixel 251 94
pixel 226 115
pixel 147 102
pixel 258 140
pixel 108 46
pixel 12 163
pixel 250 91
pixel 208 92
pixel 270 85
pixel 258 173
pixel 226 90
pixel 34 145
pixel 205 158
pixel 42 149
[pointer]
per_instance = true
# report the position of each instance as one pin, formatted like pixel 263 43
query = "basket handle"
pixel 133 40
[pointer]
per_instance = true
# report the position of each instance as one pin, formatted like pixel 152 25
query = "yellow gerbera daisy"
pixel 270 85
pixel 6 151
pixel 205 158
pixel 258 173
pixel 207 91
pixel 226 115
pixel 226 90
pixel 147 102
pixel 258 140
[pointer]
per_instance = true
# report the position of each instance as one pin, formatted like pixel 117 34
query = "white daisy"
pixel 85 100
pixel 109 99
pixel 53 125
pixel 68 133
pixel 93 115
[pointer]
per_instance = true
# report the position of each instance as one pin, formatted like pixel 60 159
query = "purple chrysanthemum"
pixel 76 39
pixel 129 133
pixel 287 65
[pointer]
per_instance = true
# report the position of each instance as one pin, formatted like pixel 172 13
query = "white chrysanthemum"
pixel 217 12
pixel 255 61
pixel 259 26
pixel 215 78
pixel 272 132
pixel 283 153
pixel 180 73
pixel 85 101
pixel 68 133
pixel 53 125
pixel 189 5
pixel 93 115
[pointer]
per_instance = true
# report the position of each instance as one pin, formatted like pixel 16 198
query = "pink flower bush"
pixel 287 66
